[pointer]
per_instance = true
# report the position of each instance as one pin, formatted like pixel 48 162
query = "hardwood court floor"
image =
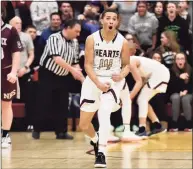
pixel 170 150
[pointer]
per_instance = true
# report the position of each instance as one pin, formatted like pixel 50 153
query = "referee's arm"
pixel 53 44
pixel 76 59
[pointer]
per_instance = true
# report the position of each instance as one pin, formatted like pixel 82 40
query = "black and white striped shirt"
pixel 57 45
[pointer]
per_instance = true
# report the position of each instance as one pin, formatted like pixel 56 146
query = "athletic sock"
pixel 95 138
pixel 5 132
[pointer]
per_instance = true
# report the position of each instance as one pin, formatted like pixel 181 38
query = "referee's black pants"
pixel 52 97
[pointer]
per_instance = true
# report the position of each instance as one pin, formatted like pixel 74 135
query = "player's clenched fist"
pixel 104 86
pixel 12 77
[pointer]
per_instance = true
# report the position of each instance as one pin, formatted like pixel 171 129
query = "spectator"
pixel 59 58
pixel 143 26
pixel 27 57
pixel 126 10
pixel 55 26
pixel 175 23
pixel 159 9
pixel 91 12
pixel 157 56
pixel 183 6
pixel 183 10
pixel 40 13
pixel 32 31
pixel 9 9
pixel 181 91
pixel 90 23
pixel 10 57
pixel 53 6
pixel 77 7
pixel 22 10
pixel 169 47
pixel 66 12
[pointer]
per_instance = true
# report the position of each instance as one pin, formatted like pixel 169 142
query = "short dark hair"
pixel 71 23
pixel 62 2
pixel 55 13
pixel 172 2
pixel 3 11
pixel 143 2
pixel 109 10
pixel 30 26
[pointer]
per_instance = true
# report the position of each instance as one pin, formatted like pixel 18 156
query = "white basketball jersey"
pixel 148 65
pixel 107 56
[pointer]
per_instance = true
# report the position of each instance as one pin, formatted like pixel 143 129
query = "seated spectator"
pixel 27 57
pixel 143 26
pixel 157 56
pixel 169 47
pixel 55 26
pixel 181 91
pixel 40 13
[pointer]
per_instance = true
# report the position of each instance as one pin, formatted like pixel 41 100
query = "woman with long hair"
pixel 181 91
pixel 169 47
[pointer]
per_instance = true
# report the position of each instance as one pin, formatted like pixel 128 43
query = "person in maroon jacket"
pixel 10 59
pixel 180 90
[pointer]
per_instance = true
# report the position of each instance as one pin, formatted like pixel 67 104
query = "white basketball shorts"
pixel 91 95
pixel 159 79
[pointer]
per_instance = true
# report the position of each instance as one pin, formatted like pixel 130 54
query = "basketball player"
pixel 156 77
pixel 10 59
pixel 105 53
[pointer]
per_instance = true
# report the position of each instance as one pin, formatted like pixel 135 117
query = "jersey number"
pixel 108 63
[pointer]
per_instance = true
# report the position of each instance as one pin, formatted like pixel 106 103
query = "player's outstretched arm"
pixel 137 77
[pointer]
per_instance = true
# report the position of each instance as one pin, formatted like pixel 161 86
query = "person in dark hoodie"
pixel 175 23
pixel 143 26
pixel 10 13
pixel 180 91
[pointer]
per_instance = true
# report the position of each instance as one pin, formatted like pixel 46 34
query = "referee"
pixel 60 57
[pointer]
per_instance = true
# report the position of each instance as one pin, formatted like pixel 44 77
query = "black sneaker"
pixel 96 146
pixel 100 161
pixel 157 129
pixel 64 136
pixel 36 135
pixel 142 133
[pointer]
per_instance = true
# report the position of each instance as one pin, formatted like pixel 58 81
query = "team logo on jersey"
pixel 107 53
pixel 4 41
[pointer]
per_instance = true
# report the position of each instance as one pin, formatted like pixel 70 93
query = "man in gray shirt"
pixel 143 26
pixel 27 56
